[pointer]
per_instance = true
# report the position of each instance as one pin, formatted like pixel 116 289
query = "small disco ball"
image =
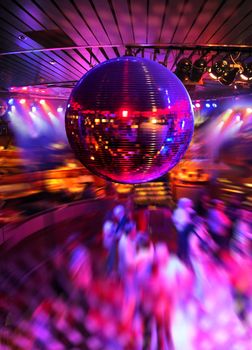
pixel 3 108
pixel 129 120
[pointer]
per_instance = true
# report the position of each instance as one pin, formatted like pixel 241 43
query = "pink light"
pixel 24 88
pixel 125 113
pixel 197 105
pixel 22 101
pixel 42 102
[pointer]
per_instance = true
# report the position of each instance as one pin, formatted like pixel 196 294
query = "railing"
pixel 14 233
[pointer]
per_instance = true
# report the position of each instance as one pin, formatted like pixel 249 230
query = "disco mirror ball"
pixel 129 120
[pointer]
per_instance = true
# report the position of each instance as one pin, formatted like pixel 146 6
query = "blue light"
pixel 208 105
pixel 11 101
pixel 169 139
pixel 214 105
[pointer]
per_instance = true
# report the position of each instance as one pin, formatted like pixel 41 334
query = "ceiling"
pixel 57 41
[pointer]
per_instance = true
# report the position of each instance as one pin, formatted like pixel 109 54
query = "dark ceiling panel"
pixel 50 38
pixel 230 10
pixel 20 13
pixel 90 17
pixel 75 19
pixel 10 25
pixel 139 17
pixel 105 15
pixel 243 24
pixel 36 13
pixel 88 32
pixel 156 11
pixel 171 19
pixel 55 13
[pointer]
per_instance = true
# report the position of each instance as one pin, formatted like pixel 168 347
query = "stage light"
pixel 42 102
pixel 247 71
pixel 22 101
pixel 218 69
pixel 238 118
pixel 60 109
pixel 249 110
pixel 197 105
pixel 125 114
pixel 208 105
pixel 228 77
pixel 13 108
pixel 214 105
pixel 11 101
pixel 198 69
pixel 183 69
pixel 34 109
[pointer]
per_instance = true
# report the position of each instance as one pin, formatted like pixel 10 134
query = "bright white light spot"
pixel 125 113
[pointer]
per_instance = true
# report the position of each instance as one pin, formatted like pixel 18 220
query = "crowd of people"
pixel 211 239
pixel 134 292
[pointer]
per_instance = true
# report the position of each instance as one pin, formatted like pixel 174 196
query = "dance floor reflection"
pixel 63 298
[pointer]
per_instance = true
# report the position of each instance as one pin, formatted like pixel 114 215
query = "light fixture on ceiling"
pixel 22 37
pixel 183 69
pixel 198 69
pixel 218 69
pixel 246 74
pixel 229 75
pixel 52 62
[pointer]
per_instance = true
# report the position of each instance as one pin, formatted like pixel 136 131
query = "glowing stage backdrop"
pixel 129 120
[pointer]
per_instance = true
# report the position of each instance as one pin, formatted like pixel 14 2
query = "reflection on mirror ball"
pixel 129 120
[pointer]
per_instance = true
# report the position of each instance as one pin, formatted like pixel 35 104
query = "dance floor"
pixel 59 298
